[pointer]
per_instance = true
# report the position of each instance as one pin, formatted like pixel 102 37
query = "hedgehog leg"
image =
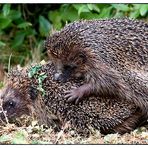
pixel 131 123
pixel 78 94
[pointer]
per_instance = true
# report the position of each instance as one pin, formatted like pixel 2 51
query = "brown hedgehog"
pixel 112 56
pixel 39 95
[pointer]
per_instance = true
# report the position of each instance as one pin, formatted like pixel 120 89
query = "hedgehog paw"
pixel 74 95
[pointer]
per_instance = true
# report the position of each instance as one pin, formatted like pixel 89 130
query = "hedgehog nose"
pixel 58 77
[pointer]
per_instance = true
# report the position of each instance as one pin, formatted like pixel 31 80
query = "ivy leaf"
pixel 6 9
pixel 44 26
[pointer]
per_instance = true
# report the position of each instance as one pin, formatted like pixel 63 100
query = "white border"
pixel 73 1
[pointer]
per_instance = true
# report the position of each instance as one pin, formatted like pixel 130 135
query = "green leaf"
pixel 18 40
pixel 44 26
pixel 105 13
pixel 14 14
pixel 89 15
pixel 90 6
pixel 4 138
pixel 30 32
pixel 19 138
pixel 83 8
pixel 77 6
pixel 2 44
pixel 122 7
pixel 41 78
pixel 4 22
pixel 137 6
pixel 6 9
pixel 55 17
pixel 34 70
pixel 24 25
pixel 1 85
pixel 143 9
pixel 93 7
pixel 119 14
pixel 134 14
pixel 69 13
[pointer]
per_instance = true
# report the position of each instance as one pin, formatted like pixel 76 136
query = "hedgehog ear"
pixel 33 92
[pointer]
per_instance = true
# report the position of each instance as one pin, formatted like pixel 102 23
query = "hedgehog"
pixel 112 56
pixel 45 100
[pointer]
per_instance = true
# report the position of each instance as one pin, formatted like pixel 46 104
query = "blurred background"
pixel 24 27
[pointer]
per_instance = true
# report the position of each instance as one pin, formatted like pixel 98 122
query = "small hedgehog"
pixel 34 92
pixel 112 56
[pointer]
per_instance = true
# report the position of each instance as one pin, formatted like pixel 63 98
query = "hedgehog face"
pixel 68 58
pixel 13 103
pixel 72 65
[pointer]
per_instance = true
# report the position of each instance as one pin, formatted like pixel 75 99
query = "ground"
pixel 31 133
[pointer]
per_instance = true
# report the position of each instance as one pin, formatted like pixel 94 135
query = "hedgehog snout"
pixel 61 77
pixel 57 76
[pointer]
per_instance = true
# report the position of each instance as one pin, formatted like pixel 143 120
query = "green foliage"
pixel 1 84
pixel 20 137
pixel 34 72
pixel 23 27
pixel 44 26
pixel 4 138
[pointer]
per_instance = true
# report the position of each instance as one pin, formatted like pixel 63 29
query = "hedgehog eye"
pixel 68 67
pixel 11 104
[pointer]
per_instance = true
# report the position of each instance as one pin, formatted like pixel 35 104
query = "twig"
pixel 9 62
pixel 4 112
pixel 62 131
